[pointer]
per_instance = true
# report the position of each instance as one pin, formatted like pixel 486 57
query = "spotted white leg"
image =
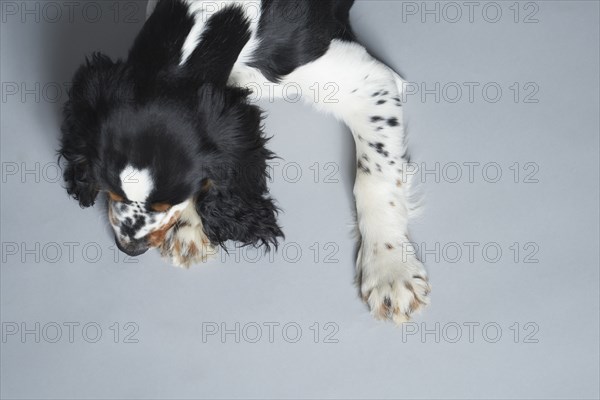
pixel 366 95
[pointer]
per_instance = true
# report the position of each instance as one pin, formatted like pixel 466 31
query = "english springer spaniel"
pixel 170 136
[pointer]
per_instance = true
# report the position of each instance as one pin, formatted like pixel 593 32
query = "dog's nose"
pixel 134 248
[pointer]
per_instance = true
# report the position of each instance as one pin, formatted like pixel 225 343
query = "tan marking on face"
pixel 398 182
pixel 160 207
pixel 389 246
pixel 392 204
pixel 207 185
pixel 115 197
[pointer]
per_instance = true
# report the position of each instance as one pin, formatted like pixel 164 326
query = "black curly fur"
pixel 235 206
pixel 96 90
pixel 182 123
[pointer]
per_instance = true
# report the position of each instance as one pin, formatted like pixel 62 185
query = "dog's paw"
pixel 394 285
pixel 185 245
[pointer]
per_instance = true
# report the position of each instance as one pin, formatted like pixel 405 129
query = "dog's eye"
pixel 160 207
pixel 116 197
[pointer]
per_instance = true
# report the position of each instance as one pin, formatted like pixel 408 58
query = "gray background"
pixel 554 221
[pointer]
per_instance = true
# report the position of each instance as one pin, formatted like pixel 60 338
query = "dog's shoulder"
pixel 292 33
pixel 273 36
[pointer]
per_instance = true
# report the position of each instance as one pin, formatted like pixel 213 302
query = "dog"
pixel 171 138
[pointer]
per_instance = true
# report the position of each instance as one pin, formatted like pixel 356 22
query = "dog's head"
pixel 149 164
pixel 143 155
pixel 160 133
pixel 155 153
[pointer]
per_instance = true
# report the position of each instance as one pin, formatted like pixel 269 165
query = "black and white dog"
pixel 170 135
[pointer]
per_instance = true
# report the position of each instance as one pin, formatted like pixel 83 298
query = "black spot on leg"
pixel 376 118
pixel 392 121
pixel 379 128
pixel 365 157
pixel 385 93
pixel 379 102
pixel 378 167
pixel 392 162
pixel 379 148
pixel 375 94
pixel 362 168
pixel 354 91
pixel 389 246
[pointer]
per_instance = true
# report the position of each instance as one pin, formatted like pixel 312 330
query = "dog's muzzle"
pixel 133 248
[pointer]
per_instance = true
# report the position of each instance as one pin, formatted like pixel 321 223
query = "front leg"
pixel 393 282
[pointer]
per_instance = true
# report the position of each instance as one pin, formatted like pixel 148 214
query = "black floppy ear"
pixel 96 88
pixel 234 202
pixel 229 214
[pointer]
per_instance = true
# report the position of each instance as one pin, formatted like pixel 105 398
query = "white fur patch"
pixel 136 183
pixel 196 9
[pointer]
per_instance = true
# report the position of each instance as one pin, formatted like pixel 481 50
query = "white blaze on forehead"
pixel 136 183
